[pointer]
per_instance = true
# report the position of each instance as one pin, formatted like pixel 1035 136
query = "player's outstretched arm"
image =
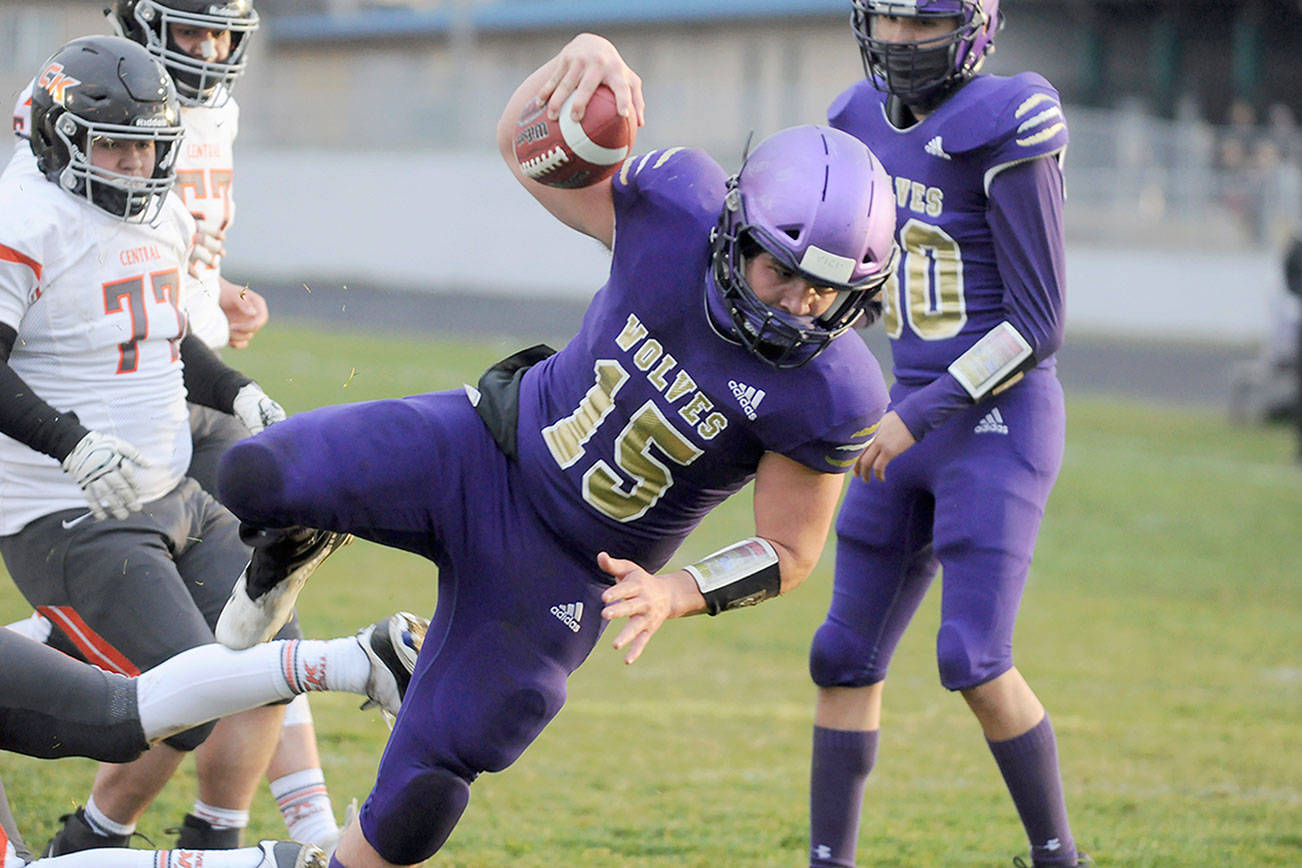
pixel 584 64
pixel 794 506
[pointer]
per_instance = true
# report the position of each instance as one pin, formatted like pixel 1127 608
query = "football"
pixel 569 153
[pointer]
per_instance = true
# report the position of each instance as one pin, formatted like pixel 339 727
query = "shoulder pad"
pixel 680 179
pixel 854 102
pixel 1010 118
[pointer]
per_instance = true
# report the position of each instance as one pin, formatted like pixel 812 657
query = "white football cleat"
pixel 291 854
pixel 264 595
pixel 392 644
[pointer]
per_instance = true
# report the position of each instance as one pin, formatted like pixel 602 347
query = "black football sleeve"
pixel 208 380
pixel 28 419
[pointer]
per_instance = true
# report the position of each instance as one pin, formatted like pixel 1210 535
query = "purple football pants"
pixel 517 610
pixel 969 497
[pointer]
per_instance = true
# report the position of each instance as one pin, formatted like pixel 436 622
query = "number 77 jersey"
pixel 95 304
pixel 947 291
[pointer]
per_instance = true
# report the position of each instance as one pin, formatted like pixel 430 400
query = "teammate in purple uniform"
pixel 551 495
pixel 974 435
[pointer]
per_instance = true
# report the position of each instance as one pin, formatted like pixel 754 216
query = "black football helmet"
pixel 922 73
pixel 199 81
pixel 106 87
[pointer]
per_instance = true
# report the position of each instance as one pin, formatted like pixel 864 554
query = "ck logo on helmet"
pixel 56 82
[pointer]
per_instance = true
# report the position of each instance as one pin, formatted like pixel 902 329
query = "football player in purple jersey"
pixel 551 495
pixel 962 464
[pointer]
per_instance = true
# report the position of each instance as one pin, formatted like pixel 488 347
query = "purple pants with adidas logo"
pixel 969 497
pixel 518 610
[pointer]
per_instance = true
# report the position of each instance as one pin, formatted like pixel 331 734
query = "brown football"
pixel 570 153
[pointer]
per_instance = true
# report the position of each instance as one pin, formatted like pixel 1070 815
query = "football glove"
pixel 105 468
pixel 207 248
pixel 255 409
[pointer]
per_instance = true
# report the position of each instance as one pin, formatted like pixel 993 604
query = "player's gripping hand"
pixel 584 64
pixel 255 409
pixel 105 468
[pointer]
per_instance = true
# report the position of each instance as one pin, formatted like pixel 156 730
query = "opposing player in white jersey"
pixel 203 45
pixel 99 526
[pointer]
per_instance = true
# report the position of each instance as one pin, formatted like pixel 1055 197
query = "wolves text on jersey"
pixel 919 198
pixel 650 356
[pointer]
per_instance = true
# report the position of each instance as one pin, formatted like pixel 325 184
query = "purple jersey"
pixel 648 418
pixel 958 278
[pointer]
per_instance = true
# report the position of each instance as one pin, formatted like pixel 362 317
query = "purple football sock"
pixel 1029 764
pixel 837 774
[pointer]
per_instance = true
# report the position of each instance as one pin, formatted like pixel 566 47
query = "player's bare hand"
pixel 646 600
pixel 245 310
pixel 892 438
pixel 585 63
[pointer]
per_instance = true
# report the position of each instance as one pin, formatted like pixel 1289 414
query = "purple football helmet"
pixel 917 72
pixel 822 205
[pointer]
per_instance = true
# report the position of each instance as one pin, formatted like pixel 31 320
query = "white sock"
pixel 245 857
pixel 101 824
pixel 209 682
pixel 305 806
pixel 220 818
pixel 35 627
pixel 298 712
pixel 213 681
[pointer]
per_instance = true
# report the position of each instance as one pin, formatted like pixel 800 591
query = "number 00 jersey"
pixel 95 303
pixel 648 418
pixel 947 291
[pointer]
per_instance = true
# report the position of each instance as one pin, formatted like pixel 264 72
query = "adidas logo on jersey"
pixel 933 147
pixel 569 614
pixel 748 397
pixel 991 423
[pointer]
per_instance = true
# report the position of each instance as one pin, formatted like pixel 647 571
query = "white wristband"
pixel 743 574
pixel 996 357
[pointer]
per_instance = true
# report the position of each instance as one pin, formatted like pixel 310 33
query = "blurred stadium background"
pixel 366 143
pixel 1169 563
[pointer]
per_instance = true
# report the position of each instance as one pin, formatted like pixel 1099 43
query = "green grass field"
pixel 1162 627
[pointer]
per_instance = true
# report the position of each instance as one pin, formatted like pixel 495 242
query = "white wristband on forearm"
pixel 996 360
pixel 743 574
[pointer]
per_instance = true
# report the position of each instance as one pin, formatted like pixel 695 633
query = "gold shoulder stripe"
pixel 866 432
pixel 664 157
pixel 1046 115
pixel 1042 136
pixel 623 171
pixel 1031 102
pixel 642 162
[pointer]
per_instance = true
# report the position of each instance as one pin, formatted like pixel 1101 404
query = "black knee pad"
pixel 249 482
pixel 191 738
pixel 407 825
pixel 839 657
pixel 501 706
